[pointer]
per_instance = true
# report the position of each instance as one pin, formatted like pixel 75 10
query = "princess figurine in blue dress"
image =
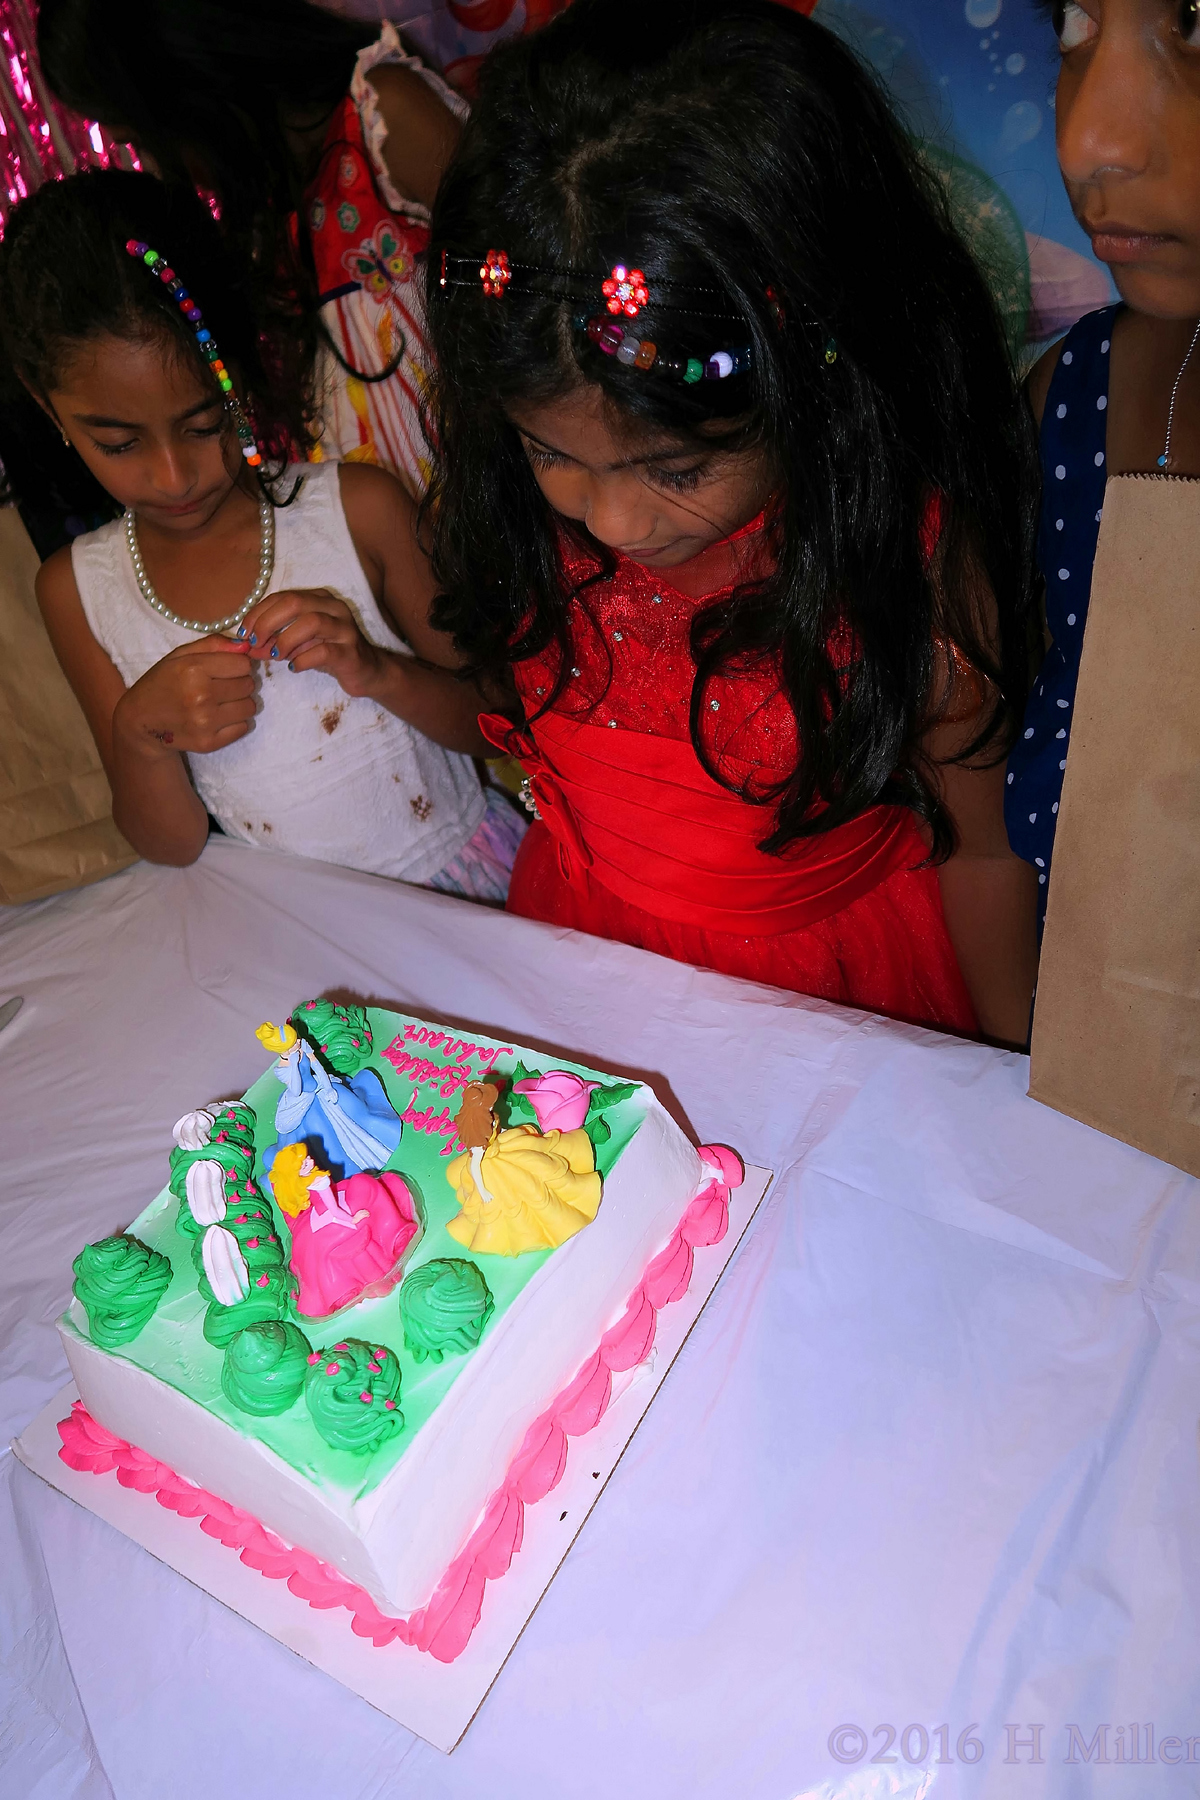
pixel 349 1125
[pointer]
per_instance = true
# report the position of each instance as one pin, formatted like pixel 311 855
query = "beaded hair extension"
pixel 207 344
pixel 642 353
pixel 266 513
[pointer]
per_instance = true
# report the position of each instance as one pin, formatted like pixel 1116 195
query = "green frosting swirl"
pixel 252 1223
pixel 231 1145
pixel 265 1365
pixel 351 1391
pixel 340 1033
pixel 119 1282
pixel 250 1216
pixel 270 1292
pixel 444 1306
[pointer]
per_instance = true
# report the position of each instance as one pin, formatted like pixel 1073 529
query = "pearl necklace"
pixel 266 565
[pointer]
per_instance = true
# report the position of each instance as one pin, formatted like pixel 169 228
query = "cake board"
pixel 435 1700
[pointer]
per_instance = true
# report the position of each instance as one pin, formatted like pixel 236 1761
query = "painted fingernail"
pixel 274 649
pixel 241 631
pixel 292 667
pixel 254 637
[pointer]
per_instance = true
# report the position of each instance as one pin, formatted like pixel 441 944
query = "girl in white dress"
pixel 322 142
pixel 246 645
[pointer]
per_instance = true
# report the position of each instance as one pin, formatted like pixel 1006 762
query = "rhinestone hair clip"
pixel 204 339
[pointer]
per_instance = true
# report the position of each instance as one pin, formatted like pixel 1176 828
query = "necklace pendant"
pixel 1162 462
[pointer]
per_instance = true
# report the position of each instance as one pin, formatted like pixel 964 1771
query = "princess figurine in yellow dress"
pixel 520 1189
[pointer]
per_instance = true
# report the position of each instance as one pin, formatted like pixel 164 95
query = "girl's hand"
pixel 199 698
pixel 314 628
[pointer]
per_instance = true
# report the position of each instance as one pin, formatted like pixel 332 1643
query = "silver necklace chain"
pixel 266 565
pixel 1165 458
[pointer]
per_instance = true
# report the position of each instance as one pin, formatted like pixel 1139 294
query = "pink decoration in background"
pixel 444 1626
pixel 559 1100
pixel 40 140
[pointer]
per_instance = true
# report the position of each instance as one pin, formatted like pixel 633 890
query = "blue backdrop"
pixel 975 78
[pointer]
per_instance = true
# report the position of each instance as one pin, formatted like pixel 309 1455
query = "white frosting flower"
pixel 205 1183
pixel 225 1266
pixel 194 1130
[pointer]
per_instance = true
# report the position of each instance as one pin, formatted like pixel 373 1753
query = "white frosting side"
pixel 225 1266
pixel 416 1521
pixel 205 1185
pixel 399 1540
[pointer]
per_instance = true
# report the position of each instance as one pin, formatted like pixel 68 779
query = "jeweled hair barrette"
pixel 205 341
pixel 623 291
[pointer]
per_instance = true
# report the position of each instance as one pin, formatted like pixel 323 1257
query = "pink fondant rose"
pixel 559 1100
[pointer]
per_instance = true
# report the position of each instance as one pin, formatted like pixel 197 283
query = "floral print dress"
pixel 366 239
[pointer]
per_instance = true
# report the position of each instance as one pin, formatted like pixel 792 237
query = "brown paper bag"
pixel 56 828
pixel 1116 1030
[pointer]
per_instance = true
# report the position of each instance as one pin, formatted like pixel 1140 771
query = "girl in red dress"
pixel 734 474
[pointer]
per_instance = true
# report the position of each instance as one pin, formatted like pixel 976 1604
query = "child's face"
pixel 634 487
pixel 1128 120
pixel 151 429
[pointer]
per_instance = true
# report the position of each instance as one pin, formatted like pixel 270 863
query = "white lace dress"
pixel 320 774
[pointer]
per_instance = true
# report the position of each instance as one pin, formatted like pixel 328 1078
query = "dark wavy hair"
pixel 66 278
pixel 744 159
pixel 206 88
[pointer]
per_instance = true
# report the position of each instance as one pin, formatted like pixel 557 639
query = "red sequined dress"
pixel 638 843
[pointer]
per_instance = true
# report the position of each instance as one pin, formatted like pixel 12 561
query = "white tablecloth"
pixel 929 1458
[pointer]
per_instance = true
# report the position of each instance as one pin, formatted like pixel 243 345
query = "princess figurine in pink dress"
pixel 348 1240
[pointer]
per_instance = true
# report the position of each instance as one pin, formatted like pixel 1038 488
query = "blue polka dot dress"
pixel 1073 446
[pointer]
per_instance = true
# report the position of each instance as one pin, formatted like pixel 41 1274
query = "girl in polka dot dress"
pixel 710 361
pixel 1128 119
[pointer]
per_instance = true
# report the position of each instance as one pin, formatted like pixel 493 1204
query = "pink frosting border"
pixel 444 1626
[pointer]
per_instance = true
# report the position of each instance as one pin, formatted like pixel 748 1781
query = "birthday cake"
pixel 355 1332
